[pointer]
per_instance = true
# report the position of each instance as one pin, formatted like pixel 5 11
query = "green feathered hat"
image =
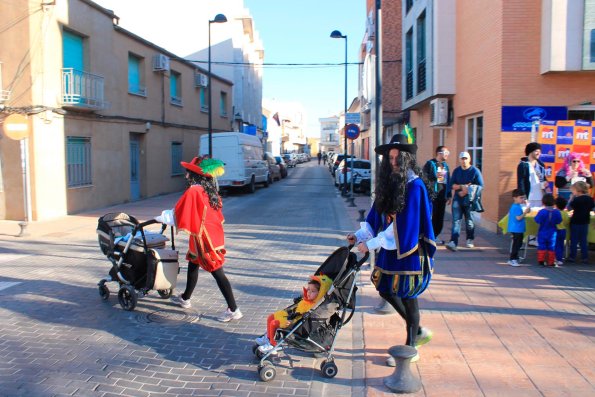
pixel 205 166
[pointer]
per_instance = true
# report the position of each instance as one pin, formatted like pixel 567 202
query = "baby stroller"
pixel 140 260
pixel 317 330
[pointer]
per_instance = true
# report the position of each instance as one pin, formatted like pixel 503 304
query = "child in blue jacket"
pixel 548 218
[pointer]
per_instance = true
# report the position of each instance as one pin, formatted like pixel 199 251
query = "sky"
pixel 292 31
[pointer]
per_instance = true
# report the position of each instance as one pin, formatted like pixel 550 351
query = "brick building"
pixel 467 63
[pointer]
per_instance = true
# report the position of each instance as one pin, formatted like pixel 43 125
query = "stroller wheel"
pixel 329 369
pixel 103 292
pixel 165 293
pixel 127 297
pixel 267 372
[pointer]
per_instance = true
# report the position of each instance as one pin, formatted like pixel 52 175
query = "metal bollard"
pixel 402 380
pixel 23 232
pixel 351 202
pixel 361 215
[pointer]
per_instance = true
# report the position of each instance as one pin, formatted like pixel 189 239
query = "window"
pixel 409 64
pixel 175 89
pixel 223 104
pixel 135 75
pixel 204 99
pixel 408 5
pixel 421 53
pixel 176 157
pixel 592 51
pixel 78 161
pixel 474 140
pixel 73 51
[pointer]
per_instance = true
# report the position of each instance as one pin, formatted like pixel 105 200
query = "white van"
pixel 243 157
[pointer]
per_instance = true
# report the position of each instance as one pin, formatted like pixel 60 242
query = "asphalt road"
pixel 59 338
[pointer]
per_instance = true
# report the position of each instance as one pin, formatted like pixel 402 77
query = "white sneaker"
pixel 228 315
pixel 451 246
pixel 514 263
pixel 470 244
pixel 264 349
pixel 185 303
pixel 262 340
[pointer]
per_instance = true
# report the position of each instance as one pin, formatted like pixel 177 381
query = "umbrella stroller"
pixel 317 329
pixel 140 259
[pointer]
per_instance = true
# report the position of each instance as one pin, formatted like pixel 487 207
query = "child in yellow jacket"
pixel 313 292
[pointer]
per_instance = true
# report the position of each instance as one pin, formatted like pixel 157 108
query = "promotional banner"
pixel 560 138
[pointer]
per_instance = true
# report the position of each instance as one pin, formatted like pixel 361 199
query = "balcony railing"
pixel 409 85
pixel 82 89
pixel 421 76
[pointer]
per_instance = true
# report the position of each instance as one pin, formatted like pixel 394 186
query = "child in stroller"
pixel 313 322
pixel 313 292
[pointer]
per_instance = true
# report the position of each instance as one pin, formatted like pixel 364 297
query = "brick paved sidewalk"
pixel 498 330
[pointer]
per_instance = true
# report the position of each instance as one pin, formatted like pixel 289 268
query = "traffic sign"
pixel 16 127
pixel 352 131
pixel 352 118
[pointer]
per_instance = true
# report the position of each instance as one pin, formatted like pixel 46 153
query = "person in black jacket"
pixel 531 179
pixel 438 173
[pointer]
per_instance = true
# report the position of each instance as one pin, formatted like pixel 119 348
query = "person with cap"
pixel 531 178
pixel 199 213
pixel 437 172
pixel 465 178
pixel 399 225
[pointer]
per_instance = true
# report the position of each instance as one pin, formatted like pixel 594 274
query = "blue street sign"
pixel 352 131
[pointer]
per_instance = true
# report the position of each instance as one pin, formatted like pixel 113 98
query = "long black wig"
pixel 209 185
pixel 391 187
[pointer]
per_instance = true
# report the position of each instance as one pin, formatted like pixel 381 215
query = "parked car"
pixel 336 161
pixel 282 166
pixel 243 156
pixel 290 159
pixel 274 169
pixel 361 171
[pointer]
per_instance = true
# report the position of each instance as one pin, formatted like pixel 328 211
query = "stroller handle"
pixel 147 223
pixel 364 258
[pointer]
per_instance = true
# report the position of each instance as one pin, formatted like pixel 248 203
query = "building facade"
pixel 329 134
pixel 111 115
pixel 237 54
pixel 469 65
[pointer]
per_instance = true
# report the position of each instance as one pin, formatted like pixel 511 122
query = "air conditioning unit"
pixel 201 80
pixel 439 111
pixel 160 63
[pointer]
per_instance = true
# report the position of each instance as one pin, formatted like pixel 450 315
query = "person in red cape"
pixel 199 213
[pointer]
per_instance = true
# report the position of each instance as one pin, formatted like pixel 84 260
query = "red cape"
pixel 195 216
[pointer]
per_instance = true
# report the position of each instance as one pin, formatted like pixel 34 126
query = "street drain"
pixel 168 317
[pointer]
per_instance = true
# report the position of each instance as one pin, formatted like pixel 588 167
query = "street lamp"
pixel 337 35
pixel 219 18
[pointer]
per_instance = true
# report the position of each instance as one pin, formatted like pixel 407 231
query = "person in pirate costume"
pixel 199 213
pixel 399 224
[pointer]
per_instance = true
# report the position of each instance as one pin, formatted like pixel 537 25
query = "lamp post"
pixel 219 18
pixel 335 34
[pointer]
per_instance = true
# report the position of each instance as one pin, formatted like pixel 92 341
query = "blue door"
pixel 134 169
pixel 73 64
pixel 72 51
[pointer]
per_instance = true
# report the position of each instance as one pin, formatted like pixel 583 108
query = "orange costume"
pixel 292 314
pixel 195 216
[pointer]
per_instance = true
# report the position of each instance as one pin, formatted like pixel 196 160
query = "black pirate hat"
pixel 398 141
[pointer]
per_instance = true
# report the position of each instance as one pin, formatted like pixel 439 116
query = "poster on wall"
pixel 560 138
